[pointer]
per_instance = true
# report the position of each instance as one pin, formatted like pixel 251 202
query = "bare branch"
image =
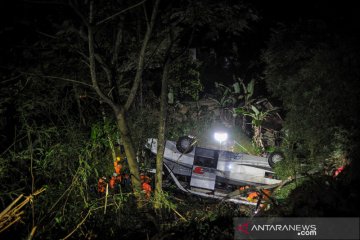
pixel 79 225
pixel 118 40
pixel 118 13
pixel 47 35
pixel 45 2
pixel 140 67
pixel 146 17
pixel 104 66
pixel 60 78
pixel 78 13
pixel 93 65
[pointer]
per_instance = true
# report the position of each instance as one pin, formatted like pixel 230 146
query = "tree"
pixel 314 71
pixel 121 110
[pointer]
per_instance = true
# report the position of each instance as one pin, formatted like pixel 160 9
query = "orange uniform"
pixel 243 188
pixel 263 205
pixel 147 189
pixel 101 185
pixel 112 182
pixel 117 167
pixel 267 193
pixel 145 180
pixel 118 179
pixel 252 197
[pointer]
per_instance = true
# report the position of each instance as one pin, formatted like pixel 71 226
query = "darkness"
pixel 337 18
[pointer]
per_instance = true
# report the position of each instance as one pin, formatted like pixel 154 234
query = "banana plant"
pixel 257 118
pixel 246 96
pixel 241 94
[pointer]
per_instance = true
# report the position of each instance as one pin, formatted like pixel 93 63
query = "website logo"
pixel 244 228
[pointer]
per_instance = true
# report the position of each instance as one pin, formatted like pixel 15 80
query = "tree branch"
pixel 118 40
pixel 140 67
pixel 77 226
pixel 93 65
pixel 118 13
pixel 78 13
pixel 146 17
pixel 105 67
pixel 60 78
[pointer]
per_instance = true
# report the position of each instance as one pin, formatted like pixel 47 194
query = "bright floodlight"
pixel 220 136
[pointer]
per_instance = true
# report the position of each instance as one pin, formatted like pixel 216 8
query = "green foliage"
pixel 287 167
pixel 242 142
pixel 282 193
pixel 257 116
pixel 228 97
pixel 316 78
pixel 225 95
pixel 164 202
pixel 208 220
pixel 185 79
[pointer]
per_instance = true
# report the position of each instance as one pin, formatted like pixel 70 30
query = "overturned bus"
pixel 215 173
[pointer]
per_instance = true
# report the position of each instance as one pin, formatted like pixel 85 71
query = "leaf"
pixel 239 110
pixel 255 110
pixel 250 88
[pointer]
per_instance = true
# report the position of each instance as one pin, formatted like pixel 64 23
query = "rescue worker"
pixel 144 178
pixel 145 184
pixel 112 181
pixel 118 178
pixel 252 196
pixel 243 188
pixel 101 186
pixel 263 200
pixel 117 165
pixel 147 189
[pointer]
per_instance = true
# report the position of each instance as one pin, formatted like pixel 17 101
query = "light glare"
pixel 220 136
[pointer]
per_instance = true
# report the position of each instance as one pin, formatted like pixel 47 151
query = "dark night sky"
pixel 14 12
pixel 18 20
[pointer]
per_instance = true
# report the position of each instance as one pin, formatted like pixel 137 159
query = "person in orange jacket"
pixel 147 189
pixel 252 196
pixel 118 179
pixel 102 186
pixel 117 166
pixel 145 184
pixel 243 188
pixel 144 178
pixel 112 181
pixel 263 200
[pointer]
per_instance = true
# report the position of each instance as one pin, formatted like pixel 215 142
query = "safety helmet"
pixel 118 158
pixel 114 174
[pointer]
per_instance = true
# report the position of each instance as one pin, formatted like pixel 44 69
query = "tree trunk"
pixel 121 121
pixel 130 153
pixel 258 137
pixel 120 111
pixel 243 124
pixel 161 136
